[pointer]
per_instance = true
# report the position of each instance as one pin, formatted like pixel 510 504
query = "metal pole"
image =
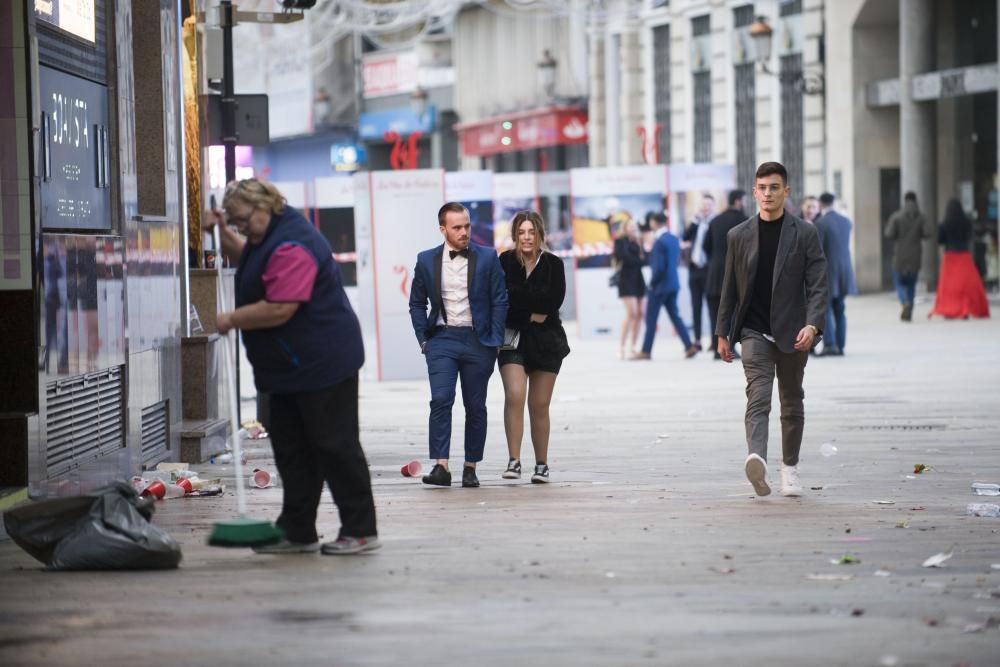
pixel 228 91
pixel 229 142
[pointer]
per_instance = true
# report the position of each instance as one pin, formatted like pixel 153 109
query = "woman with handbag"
pixel 531 358
pixel 628 258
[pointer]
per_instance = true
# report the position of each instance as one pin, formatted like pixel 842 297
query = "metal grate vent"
pixel 84 419
pixel 155 431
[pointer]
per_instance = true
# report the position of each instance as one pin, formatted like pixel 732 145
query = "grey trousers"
pixel 762 360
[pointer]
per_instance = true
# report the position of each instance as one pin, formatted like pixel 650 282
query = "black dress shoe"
pixel 831 352
pixel 469 479
pixel 439 476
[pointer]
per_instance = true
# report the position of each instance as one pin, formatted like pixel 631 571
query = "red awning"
pixel 548 126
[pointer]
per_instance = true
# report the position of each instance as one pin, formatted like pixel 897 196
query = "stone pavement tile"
pixel 647 548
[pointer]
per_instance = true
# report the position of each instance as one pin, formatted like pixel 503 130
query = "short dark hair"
pixel 769 168
pixel 707 195
pixel 735 196
pixel 910 196
pixel 827 199
pixel 450 207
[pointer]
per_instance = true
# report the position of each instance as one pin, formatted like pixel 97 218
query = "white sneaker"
pixel 791 487
pixel 756 470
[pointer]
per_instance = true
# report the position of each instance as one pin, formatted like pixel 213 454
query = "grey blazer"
pixel 799 292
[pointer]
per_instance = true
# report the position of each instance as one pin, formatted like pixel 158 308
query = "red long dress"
pixel 960 292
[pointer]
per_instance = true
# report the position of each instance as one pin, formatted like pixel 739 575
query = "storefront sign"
pixel 372 125
pixel 389 74
pixel 522 131
pixel 74 16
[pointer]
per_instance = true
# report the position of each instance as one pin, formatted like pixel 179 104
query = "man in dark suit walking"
pixel 465 287
pixel 774 298
pixel 664 286
pixel 835 237
pixel 715 251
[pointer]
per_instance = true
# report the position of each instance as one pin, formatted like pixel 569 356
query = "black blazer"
pixel 542 292
pixel 715 247
pixel 799 292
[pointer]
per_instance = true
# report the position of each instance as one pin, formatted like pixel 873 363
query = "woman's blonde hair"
pixel 536 221
pixel 254 192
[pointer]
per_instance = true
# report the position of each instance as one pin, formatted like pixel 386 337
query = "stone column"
pixel 917 120
pixel 632 102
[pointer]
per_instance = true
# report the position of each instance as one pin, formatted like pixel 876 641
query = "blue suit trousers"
pixel 453 353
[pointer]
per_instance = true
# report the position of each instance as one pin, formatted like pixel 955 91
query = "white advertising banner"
pixel 294 193
pixel 603 200
pixel 401 210
pixel 334 192
pixel 466 186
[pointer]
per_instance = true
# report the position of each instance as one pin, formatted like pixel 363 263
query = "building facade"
pixel 93 287
pixel 916 109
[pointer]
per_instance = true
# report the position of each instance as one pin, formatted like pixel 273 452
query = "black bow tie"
pixel 463 253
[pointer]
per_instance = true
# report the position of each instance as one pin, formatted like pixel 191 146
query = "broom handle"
pixel 227 347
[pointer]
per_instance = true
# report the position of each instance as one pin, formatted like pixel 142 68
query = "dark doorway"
pixel 890 199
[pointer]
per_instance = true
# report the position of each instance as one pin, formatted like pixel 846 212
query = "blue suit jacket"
pixel 835 235
pixel 487 294
pixel 664 259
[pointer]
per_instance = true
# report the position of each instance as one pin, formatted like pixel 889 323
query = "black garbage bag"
pixel 106 530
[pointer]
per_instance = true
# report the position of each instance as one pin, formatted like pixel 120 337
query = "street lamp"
pixel 418 102
pixel 810 83
pixel 547 73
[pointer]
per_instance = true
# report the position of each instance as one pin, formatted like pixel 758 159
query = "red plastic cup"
pixel 261 478
pixel 186 485
pixel 411 469
pixel 155 489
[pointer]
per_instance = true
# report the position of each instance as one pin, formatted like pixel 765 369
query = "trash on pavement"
pixel 828 449
pixel 411 469
pixel 846 559
pixel 985 489
pixel 882 573
pixel 261 478
pixel 937 560
pixel 830 577
pixel 106 530
pixel 884 502
pixel 253 430
pixel 983 509
pixel 989 624
pixel 919 468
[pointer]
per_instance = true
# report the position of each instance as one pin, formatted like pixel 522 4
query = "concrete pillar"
pixel 917 120
pixel 596 111
pixel 631 111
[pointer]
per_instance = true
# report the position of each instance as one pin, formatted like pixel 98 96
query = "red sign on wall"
pixel 551 126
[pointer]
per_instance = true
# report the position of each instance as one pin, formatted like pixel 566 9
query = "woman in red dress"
pixel 960 292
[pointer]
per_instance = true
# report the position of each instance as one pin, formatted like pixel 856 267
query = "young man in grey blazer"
pixel 774 298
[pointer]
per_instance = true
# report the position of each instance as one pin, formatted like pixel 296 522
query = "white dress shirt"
pixel 454 290
pixel 698 257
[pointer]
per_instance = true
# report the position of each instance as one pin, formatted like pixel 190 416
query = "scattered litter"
pixel 910 477
pixel 985 489
pixel 882 573
pixel 884 502
pixel 723 570
pixel 937 560
pixel 931 622
pixel 253 430
pixel 918 509
pixel 170 466
pixel 830 577
pixel 261 478
pixel 846 559
pixel 815 488
pixel 919 468
pixel 902 524
pixel 857 612
pixel 983 509
pixel 828 449
pixel 663 436
pixel 989 624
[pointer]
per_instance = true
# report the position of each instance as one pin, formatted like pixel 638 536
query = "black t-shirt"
pixel 759 312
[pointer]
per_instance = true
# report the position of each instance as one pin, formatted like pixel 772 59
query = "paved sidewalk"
pixel 647 549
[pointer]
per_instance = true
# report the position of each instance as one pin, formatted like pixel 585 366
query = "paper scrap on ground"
pixel 937 560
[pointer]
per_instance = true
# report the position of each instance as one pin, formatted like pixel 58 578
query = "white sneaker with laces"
pixel 791 487
pixel 756 471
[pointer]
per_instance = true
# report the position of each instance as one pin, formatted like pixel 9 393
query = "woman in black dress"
pixel 536 284
pixel 629 258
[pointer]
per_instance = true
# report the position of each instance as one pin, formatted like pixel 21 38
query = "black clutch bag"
pixel 511 339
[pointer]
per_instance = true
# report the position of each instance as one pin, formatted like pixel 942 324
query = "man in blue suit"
pixel 835 235
pixel 664 285
pixel 465 287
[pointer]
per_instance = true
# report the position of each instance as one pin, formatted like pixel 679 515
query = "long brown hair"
pixel 536 221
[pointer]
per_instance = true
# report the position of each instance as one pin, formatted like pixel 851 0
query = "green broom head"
pixel 244 532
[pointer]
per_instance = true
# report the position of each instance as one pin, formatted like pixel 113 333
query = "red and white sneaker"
pixel 351 545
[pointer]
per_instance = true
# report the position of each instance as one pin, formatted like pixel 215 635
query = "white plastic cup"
pixel 828 449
